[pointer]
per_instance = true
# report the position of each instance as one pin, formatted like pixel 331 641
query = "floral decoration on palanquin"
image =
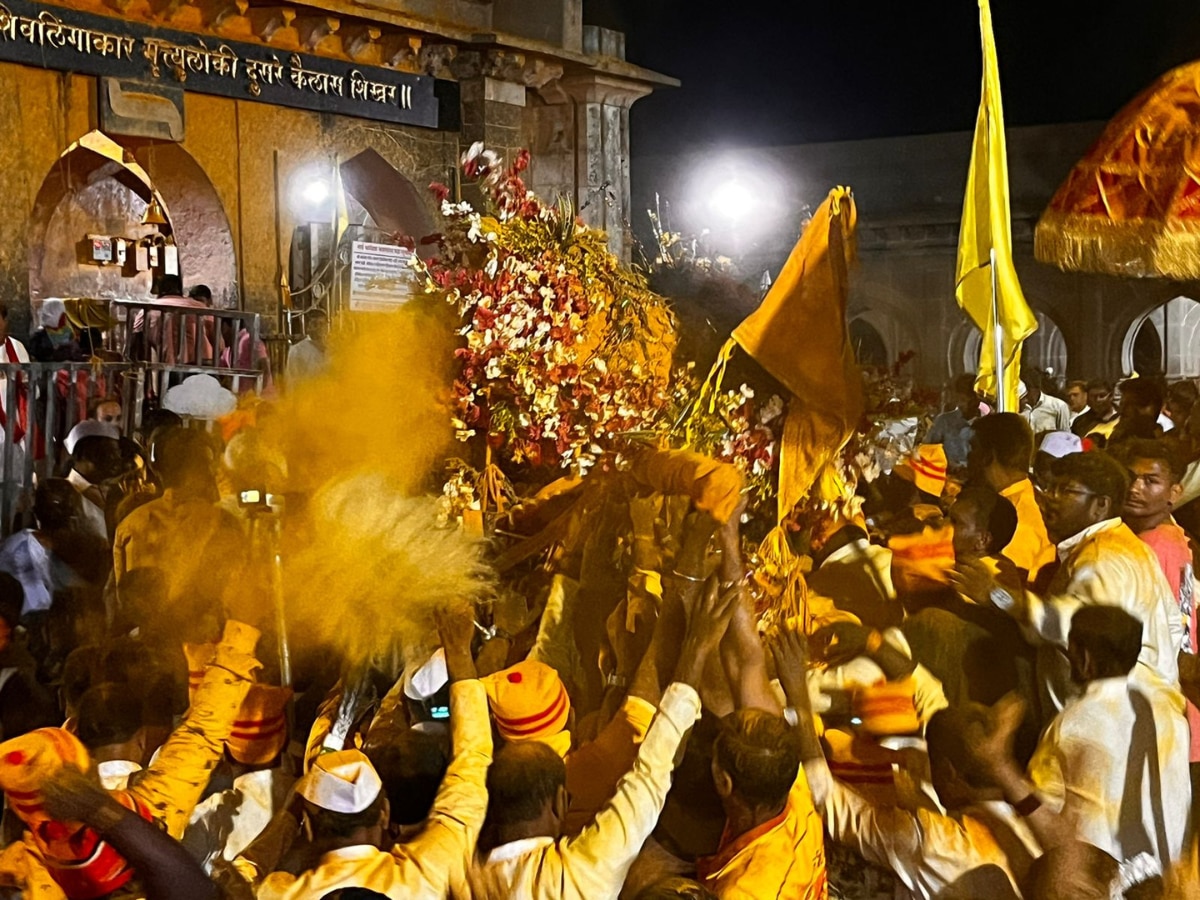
pixel 565 350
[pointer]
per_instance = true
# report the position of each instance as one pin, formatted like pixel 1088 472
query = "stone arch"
pixel 96 185
pixel 1174 327
pixel 1046 349
pixel 893 333
pixel 100 186
pixel 207 254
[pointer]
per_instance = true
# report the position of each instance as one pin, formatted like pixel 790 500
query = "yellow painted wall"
pixel 233 141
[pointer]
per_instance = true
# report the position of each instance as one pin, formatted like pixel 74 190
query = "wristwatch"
pixel 491 633
pixel 1001 599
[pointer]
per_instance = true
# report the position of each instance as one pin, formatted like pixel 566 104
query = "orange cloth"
pixel 1128 207
pixel 782 858
pixel 888 707
pixel 260 730
pixel 926 468
pixel 713 486
pixel 81 864
pixel 799 335
pixel 30 760
pixel 1031 547
pixel 922 561
pixel 859 761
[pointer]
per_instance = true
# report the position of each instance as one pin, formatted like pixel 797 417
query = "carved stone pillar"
pixel 492 90
pixel 601 122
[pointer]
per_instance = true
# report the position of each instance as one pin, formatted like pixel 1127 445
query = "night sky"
pixel 759 72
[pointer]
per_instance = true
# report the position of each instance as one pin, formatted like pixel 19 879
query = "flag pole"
pixel 997 340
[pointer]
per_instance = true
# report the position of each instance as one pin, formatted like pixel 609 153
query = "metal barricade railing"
pixel 145 331
pixel 57 396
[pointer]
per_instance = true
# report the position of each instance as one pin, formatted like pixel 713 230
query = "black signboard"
pixel 55 37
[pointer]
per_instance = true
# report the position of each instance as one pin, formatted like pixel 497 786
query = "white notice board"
pixel 381 278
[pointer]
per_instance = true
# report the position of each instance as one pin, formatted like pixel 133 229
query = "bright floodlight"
pixel 310 193
pixel 316 192
pixel 733 201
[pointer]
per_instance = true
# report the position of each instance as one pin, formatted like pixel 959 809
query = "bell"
pixel 154 214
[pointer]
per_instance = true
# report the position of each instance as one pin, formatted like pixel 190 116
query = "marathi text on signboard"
pixel 65 39
pixel 381 277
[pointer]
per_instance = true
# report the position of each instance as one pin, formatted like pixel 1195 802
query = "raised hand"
pixel 456 627
pixel 789 648
pixel 707 623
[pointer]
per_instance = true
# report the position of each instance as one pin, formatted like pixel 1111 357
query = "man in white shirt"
pixel 347 810
pixel 1130 797
pixel 1043 412
pixel 527 799
pixel 975 845
pixel 1101 563
pixel 308 358
pixel 95 457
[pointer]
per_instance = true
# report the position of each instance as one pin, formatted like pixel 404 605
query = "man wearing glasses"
pixel 1101 563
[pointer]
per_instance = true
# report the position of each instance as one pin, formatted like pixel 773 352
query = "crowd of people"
pixel 987 691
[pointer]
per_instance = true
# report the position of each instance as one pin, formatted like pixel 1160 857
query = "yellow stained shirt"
pixel 595 769
pixel 593 865
pixel 932 853
pixel 182 537
pixel 1031 547
pixel 173 785
pixel 783 858
pixel 425 867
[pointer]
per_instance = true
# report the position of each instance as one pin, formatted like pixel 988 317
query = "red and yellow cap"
pixel 926 468
pixel 528 702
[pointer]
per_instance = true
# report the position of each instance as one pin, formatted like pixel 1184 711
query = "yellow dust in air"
pixel 366 563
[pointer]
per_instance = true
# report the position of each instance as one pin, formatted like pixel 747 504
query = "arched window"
pixel 1165 341
pixel 1045 350
pixel 868 344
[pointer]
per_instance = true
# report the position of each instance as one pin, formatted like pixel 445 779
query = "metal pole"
pixel 997 341
pixel 10 421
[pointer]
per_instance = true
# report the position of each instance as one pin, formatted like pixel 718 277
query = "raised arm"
pixel 602 853
pixel 173 785
pixel 460 806
pixel 165 870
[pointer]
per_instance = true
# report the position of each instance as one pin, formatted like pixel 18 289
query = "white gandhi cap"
pixel 1061 443
pixel 343 782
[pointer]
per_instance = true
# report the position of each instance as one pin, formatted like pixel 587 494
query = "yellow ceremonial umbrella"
pixel 1131 206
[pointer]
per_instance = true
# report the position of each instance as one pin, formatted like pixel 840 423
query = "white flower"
pixel 491 267
pixel 492 369
pixel 475 232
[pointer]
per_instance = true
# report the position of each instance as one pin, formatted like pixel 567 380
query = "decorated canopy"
pixel 1131 206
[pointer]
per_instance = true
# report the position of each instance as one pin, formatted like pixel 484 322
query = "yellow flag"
pixel 339 197
pixel 987 227
pixel 799 335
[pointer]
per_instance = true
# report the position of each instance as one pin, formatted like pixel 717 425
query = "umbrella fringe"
pixel 1145 249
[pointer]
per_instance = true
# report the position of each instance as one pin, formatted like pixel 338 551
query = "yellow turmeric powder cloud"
pixel 365 561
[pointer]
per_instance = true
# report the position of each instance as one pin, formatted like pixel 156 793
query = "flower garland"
pixel 735 427
pixel 566 351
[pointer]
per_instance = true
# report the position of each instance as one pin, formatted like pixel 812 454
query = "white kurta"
pixel 1107 565
pixel 1116 760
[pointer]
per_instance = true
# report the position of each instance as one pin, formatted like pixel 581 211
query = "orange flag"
pixel 799 334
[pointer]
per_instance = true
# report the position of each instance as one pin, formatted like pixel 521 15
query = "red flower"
pixel 440 191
